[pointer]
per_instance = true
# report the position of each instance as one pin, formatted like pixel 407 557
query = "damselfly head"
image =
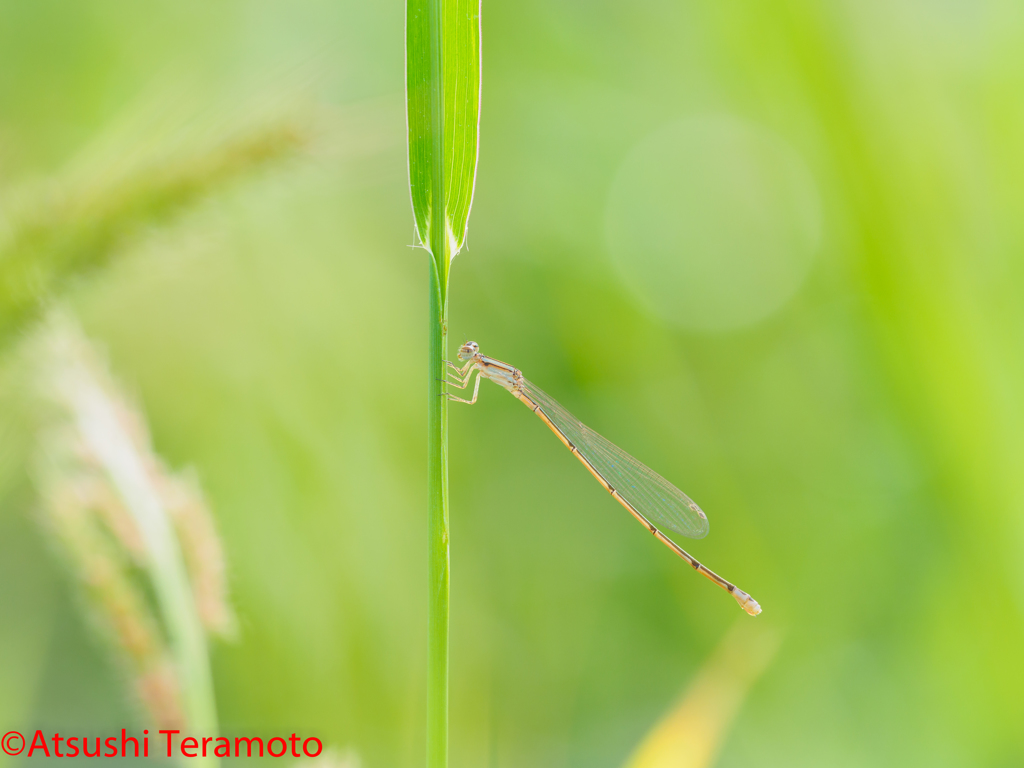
pixel 468 350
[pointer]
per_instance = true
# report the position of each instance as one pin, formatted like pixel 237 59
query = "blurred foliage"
pixel 63 229
pixel 855 441
pixel 139 539
pixel 691 735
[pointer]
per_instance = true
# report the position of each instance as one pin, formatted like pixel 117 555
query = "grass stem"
pixel 437 467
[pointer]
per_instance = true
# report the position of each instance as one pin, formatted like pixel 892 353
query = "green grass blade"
pixel 443 68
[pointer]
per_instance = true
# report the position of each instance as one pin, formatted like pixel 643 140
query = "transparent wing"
pixel 654 496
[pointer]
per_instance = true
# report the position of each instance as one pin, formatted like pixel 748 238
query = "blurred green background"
pixel 771 249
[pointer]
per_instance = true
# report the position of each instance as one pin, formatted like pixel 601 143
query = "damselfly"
pixel 647 496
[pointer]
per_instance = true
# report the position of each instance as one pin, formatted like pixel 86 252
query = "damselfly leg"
pixel 476 390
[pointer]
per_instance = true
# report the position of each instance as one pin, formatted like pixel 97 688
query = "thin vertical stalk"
pixel 437 419
pixel 438 579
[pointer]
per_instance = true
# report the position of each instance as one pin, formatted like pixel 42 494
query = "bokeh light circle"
pixel 713 222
